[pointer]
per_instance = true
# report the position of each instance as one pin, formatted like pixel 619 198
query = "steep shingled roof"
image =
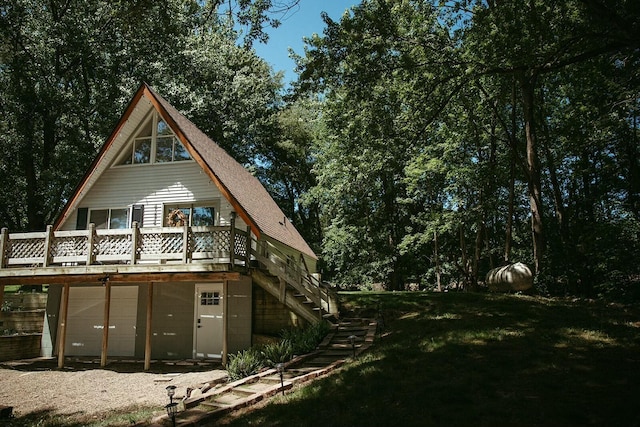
pixel 245 193
pixel 246 190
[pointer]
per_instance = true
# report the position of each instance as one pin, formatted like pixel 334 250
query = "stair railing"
pixel 294 273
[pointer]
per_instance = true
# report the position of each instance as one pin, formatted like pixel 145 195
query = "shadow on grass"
pixel 47 417
pixel 42 418
pixel 477 359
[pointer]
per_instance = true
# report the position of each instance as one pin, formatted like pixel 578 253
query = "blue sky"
pixel 301 22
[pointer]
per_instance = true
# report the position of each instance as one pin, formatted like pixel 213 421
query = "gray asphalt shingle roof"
pixel 247 191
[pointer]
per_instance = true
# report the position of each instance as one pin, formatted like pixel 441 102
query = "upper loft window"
pixel 155 142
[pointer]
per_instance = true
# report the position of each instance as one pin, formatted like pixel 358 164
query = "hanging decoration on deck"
pixel 176 218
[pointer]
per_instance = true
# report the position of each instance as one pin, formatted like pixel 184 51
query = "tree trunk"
pixel 437 260
pixel 527 84
pixel 513 154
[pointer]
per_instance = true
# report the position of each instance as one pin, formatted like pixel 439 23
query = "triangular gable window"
pixel 154 142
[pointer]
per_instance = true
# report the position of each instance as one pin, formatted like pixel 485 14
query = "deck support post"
pixel 148 329
pixel 1 295
pixel 105 330
pixel 62 336
pixel 225 321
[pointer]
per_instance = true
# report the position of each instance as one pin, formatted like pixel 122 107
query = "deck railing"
pixel 124 246
pixel 158 245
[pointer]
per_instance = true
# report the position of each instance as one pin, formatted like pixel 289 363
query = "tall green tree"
pixel 67 69
pixel 458 99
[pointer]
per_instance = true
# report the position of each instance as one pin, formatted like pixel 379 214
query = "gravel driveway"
pixel 36 385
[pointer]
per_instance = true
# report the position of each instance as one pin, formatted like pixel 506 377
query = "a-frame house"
pixel 167 249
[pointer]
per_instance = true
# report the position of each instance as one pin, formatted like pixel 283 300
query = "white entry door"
pixel 208 331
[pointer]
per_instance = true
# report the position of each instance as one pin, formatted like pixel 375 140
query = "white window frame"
pixel 154 118
pixel 167 207
pixel 109 211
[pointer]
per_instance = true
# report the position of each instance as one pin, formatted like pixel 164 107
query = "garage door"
pixel 85 321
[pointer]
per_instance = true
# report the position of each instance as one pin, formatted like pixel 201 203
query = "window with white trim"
pixel 110 218
pixel 154 142
pixel 194 215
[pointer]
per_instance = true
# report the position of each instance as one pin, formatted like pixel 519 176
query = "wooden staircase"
pixel 291 282
pixel 346 341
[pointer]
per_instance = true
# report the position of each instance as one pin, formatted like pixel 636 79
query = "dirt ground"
pixel 83 387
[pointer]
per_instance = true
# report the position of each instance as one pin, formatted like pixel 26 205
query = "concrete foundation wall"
pixel 270 316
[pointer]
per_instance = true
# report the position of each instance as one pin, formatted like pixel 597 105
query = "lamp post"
pixel 172 407
pixel 280 369
pixel 352 340
pixel 171 390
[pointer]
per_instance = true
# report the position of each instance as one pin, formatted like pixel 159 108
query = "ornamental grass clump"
pixel 306 340
pixel 245 363
pixel 293 342
pixel 277 352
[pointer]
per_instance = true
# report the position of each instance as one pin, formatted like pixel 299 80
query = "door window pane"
pixel 210 298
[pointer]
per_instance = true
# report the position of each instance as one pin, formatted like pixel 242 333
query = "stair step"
pixel 214 404
pixel 255 387
pixel 228 398
pixel 243 390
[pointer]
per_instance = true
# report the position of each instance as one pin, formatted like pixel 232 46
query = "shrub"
pixel 278 352
pixel 245 363
pixel 294 341
pixel 306 340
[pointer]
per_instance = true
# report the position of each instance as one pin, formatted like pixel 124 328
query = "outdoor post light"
pixel 280 369
pixel 172 409
pixel 352 340
pixel 171 390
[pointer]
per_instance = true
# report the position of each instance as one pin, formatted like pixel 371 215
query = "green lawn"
pixel 476 359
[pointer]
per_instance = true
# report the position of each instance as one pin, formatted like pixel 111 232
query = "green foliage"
pixel 132 415
pixel 278 352
pixel 456 358
pixel 68 69
pixel 305 340
pixel 457 131
pixel 293 342
pixel 245 363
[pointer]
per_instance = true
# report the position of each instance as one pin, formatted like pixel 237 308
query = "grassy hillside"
pixel 477 359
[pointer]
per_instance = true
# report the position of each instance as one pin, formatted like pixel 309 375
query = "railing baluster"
pixel 232 241
pixel 185 245
pixel 135 238
pixel 91 241
pixel 48 242
pixel 4 246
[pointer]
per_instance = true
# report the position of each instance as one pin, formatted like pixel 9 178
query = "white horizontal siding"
pixel 153 186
